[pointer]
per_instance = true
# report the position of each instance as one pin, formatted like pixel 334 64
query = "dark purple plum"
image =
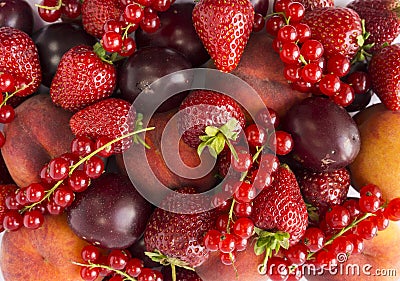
pixel 53 41
pixel 260 6
pixel 17 14
pixel 146 66
pixel 360 101
pixel 5 177
pixel 325 136
pixel 110 213
pixel 176 32
pixel 182 274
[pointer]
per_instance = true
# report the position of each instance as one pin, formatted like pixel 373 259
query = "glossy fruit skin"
pixel 324 189
pixel 17 14
pixel 176 32
pixel 181 274
pixel 110 212
pixel 51 44
pixel 180 235
pixel 82 79
pixel 260 6
pixel 281 207
pixel 384 70
pixel 20 58
pixel 326 137
pixel 146 66
pixel 235 19
pixel 333 26
pixel 381 20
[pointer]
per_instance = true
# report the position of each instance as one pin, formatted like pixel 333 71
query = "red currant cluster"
pixel 61 178
pixel 52 10
pixel 234 226
pixel 341 233
pixel 118 265
pixel 8 88
pixel 306 67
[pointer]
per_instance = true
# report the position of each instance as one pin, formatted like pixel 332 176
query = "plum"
pixel 325 136
pixel 110 213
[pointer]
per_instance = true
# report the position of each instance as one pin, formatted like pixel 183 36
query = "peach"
pixel 39 132
pixel 46 253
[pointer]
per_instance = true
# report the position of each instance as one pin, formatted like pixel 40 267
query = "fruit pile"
pixel 96 185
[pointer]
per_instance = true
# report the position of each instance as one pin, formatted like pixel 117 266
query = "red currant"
pixel 312 50
pixel 273 24
pixel 227 243
pixel 367 229
pixel 369 203
pixel 381 220
pixel 342 245
pixel 359 81
pixel 134 267
pixel 53 208
pixel 243 227
pixel 357 241
pixel 90 253
pixel 393 209
pixel 295 11
pixel 244 161
pixel 111 41
pixel 7 114
pixel 49 15
pixel 311 73
pixel 353 207
pixel 287 34
pixel 71 8
pixel 371 189
pixel 33 219
pixel 256 136
pixel 34 192
pixel 290 53
pixel 212 239
pixel 58 168
pixel 245 193
pixel 303 31
pixel 291 72
pixel 12 220
pixel 128 47
pixel 345 96
pixel 7 83
pixel 89 273
pixel 338 64
pixel 337 217
pixel 227 258
pixel 113 25
pixel 284 142
pixel 277 269
pixel 297 254
pixel 329 84
pixel 63 196
pixel 133 13
pixel 314 239
pixel 117 259
pixel 259 22
pixel 94 167
pixel 267 117
pixel 150 23
pixel 78 181
pixel 82 146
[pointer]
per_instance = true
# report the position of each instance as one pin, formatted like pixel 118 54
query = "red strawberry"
pixel 281 207
pixel 323 189
pixel 201 109
pixel 111 118
pixel 314 4
pixel 5 190
pixel 82 78
pixel 19 57
pixel 224 26
pixel 384 69
pixel 95 13
pixel 180 236
pixel 382 20
pixel 337 28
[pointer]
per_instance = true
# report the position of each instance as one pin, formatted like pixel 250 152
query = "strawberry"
pixel 202 110
pixel 82 78
pixel 224 27
pixel 382 20
pixel 323 189
pixel 338 29
pixel 179 236
pixel 281 207
pixel 5 190
pixel 19 57
pixel 95 13
pixel 384 69
pixel 110 118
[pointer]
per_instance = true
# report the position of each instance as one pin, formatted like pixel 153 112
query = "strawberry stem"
pixel 95 265
pixel 216 138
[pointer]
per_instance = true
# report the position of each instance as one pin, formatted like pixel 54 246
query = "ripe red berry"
pixel 371 189
pixel 63 196
pixel 227 243
pixel 34 192
pixel 314 239
pixel 338 64
pixel 243 227
pixel 89 273
pixel 133 13
pixel 58 168
pixel 227 258
pixel 33 219
pixel 117 259
pixel 111 41
pixel 295 11
pixel 393 209
pixel 369 203
pixel 367 229
pixel 94 167
pixel 277 269
pixel 7 114
pixel 245 193
pixel 329 84
pixel 12 220
pixel 284 142
pixel 297 254
pixel 134 267
pixel 90 253
pixel 312 50
pixel 256 136
pixel 243 162
pixel 82 146
pixel 49 15
pixel 212 239
pixel 7 83
pixel 337 217
pixel 287 34
pixel 273 24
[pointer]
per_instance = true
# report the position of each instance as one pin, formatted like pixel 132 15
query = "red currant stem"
pixel 255 157
pixel 234 266
pixel 46 197
pixel 125 29
pixel 95 265
pixel 342 231
pixel 87 157
pixel 230 216
pixel 56 7
pixel 302 59
pixel 8 96
pixel 81 161
pixel 173 272
pixel 262 268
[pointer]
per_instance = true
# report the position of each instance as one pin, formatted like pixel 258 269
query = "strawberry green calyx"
pixel 162 259
pixel 362 53
pixel 139 127
pixel 216 138
pixel 267 242
pixel 104 56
